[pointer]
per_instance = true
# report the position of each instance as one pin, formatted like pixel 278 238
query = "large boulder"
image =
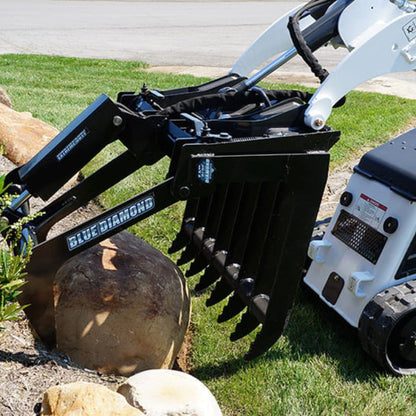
pixel 168 392
pixel 23 135
pixel 121 307
pixel 85 399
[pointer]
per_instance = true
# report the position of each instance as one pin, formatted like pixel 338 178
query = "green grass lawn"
pixel 317 367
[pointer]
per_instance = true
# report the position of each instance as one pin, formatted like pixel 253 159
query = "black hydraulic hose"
pixel 299 41
pixel 317 34
pixel 231 100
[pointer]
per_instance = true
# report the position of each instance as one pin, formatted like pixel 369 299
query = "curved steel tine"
pixel 182 237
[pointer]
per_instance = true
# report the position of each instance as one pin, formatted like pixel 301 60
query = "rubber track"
pixel 380 317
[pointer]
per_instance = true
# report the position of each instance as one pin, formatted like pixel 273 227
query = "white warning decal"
pixel 369 210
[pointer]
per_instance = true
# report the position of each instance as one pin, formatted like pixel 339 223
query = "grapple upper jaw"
pixel 250 214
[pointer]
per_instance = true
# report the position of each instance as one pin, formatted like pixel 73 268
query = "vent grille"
pixel 359 236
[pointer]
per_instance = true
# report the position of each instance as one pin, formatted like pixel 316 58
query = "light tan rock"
pixel 168 392
pixel 5 99
pixel 85 399
pixel 22 135
pixel 121 307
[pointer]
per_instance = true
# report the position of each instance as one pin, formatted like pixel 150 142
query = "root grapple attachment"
pixel 252 185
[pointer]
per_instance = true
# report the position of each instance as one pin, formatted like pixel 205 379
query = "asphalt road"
pixel 205 33
pixel 160 33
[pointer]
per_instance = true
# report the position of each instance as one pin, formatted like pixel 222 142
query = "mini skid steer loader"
pixel 252 165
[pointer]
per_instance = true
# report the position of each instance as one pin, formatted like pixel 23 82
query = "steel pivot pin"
pixel 117 121
pixel 318 123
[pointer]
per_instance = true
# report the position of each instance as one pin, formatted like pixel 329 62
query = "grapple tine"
pixel 264 340
pixel 182 238
pixel 205 240
pixel 221 291
pixel 236 304
pixel 198 227
pixel 247 324
pixel 187 255
pixel 202 261
pixel 196 266
pixel 259 232
pixel 218 249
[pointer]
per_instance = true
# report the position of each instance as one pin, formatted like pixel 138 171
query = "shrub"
pixel 12 260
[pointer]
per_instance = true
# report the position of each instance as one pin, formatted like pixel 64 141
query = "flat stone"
pixel 168 392
pixel 85 399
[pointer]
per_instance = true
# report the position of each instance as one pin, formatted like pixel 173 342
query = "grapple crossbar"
pixel 252 178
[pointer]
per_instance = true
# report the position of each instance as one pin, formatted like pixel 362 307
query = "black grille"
pixel 359 236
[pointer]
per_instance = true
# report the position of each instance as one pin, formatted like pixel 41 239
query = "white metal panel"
pixel 362 19
pixel 363 279
pixel 390 50
pixel 273 41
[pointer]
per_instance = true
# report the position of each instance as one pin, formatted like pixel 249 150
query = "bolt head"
pixel 184 192
pixel 117 121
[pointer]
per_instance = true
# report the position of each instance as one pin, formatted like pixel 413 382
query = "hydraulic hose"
pixel 232 100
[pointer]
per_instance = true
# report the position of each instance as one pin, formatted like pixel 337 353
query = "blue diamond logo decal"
pixel 205 170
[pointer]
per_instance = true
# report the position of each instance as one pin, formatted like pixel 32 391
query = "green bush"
pixel 12 263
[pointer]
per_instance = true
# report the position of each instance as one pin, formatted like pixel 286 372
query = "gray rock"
pixel 167 392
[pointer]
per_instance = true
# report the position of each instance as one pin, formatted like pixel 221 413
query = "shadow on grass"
pixel 314 330
pixel 227 367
